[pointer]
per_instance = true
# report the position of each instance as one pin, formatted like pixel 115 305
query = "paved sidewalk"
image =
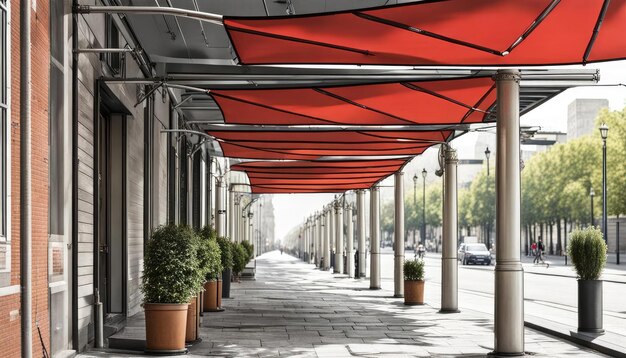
pixel 295 310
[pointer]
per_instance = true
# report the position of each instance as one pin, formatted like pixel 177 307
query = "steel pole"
pixel 415 208
pixel 349 242
pixel 424 212
pixel 360 224
pixel 509 275
pixel 374 238
pixel 338 238
pixel 398 251
pixel 605 231
pixel 449 263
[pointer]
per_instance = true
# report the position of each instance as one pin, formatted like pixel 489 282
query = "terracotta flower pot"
pixel 413 292
pixel 165 327
pixel 212 296
pixel 193 321
pixel 219 293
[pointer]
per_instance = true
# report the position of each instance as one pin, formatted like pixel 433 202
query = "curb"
pixel 600 343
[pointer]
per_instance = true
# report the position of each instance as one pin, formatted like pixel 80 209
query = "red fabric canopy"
pixel 316 177
pixel 311 145
pixel 422 102
pixel 441 33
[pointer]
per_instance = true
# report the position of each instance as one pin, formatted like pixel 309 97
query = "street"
pixel 550 293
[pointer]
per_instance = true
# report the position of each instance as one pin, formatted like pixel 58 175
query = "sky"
pixel 291 210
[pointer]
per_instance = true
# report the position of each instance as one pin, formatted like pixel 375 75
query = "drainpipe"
pixel 75 342
pixel 25 180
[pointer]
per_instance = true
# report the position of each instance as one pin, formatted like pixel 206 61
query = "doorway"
pixel 112 214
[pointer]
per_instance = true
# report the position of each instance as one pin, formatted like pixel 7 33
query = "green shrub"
pixel 226 251
pixel 249 249
pixel 171 269
pixel 240 258
pixel 414 270
pixel 211 254
pixel 587 250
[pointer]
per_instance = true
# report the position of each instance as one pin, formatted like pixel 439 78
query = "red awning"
pixel 312 145
pixel 440 33
pixel 317 177
pixel 423 102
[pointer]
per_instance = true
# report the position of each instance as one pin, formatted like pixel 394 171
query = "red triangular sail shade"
pixel 440 33
pixel 422 102
pixel 312 145
pixel 321 176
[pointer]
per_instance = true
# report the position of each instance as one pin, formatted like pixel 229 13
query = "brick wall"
pixel 10 304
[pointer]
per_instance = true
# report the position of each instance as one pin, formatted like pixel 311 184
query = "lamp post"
pixel 591 195
pixel 604 131
pixel 424 172
pixel 415 205
pixel 487 155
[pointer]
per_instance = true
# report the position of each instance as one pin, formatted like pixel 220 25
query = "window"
pixel 57 109
pixel 114 60
pixel 5 243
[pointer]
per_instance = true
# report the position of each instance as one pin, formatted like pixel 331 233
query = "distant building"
pixel 581 114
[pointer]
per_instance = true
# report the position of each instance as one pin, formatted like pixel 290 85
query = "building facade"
pixel 581 114
pixel 107 167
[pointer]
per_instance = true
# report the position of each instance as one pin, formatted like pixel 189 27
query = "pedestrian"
pixel 540 249
pixel 533 251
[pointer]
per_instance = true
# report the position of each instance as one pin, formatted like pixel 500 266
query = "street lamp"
pixel 424 172
pixel 487 155
pixel 415 205
pixel 604 132
pixel 591 195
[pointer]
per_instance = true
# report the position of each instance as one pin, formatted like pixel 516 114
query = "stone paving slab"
pixel 295 310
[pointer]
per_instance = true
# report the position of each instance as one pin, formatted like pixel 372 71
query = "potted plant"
pixel 227 264
pixel 205 257
pixel 240 256
pixel 414 282
pixel 213 271
pixel 587 250
pixel 171 275
pixel 249 249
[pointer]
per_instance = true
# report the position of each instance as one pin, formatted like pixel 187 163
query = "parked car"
pixel 474 254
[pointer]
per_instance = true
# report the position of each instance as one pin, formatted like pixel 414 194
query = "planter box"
pixel 413 292
pixel 165 327
pixel 590 306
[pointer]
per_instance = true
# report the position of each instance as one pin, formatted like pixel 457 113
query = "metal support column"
pixel 243 223
pixel 360 224
pixel 509 275
pixel 338 238
pixel 320 240
pixel 219 208
pixel 449 263
pixel 230 214
pixel 398 237
pixel 327 229
pixel 332 236
pixel 349 242
pixel 374 238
